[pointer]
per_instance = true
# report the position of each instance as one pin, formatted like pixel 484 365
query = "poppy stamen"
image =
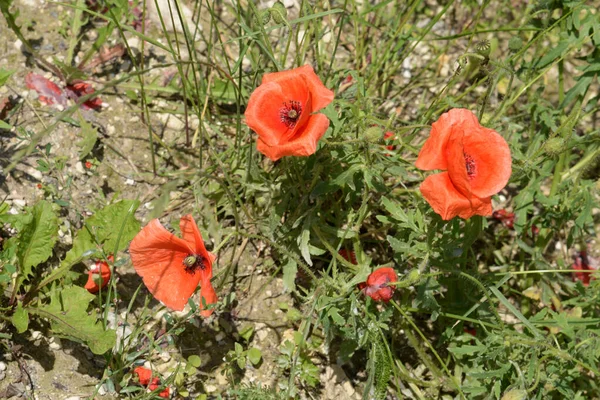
pixel 192 263
pixel 290 113
pixel 471 166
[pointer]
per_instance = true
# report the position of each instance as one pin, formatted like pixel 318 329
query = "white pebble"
pixel 130 182
pixel 2 366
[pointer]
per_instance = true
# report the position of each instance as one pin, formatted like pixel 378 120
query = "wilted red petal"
pixel 49 93
pixel 582 262
pixel 78 89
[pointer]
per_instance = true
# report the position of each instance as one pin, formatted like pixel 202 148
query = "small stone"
pixel 18 44
pixel 73 398
pixel 210 388
pixel 19 203
pixel 102 390
pixel 55 344
pixel 130 182
pixel 35 335
pixel 268 293
pixel 208 344
pixel 219 336
pixel 79 168
pixel 2 366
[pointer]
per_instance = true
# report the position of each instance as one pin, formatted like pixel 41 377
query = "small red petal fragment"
pixel 78 89
pixel 49 93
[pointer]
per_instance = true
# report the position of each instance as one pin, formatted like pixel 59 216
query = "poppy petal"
pixel 157 256
pixel 207 292
pixel 491 157
pixel 303 145
pixel 433 153
pixel 263 113
pixel 192 235
pixel 457 163
pixel 320 94
pixel 448 202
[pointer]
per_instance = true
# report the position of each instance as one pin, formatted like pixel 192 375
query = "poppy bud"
pixel 515 44
pixel 483 47
pixel 515 394
pixel 279 13
pixel 554 146
pixel 261 17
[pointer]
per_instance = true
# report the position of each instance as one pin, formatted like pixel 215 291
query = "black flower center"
pixel 471 166
pixel 290 113
pixel 193 262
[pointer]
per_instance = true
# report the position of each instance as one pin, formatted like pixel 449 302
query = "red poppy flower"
pixel 476 161
pixel 281 111
pixel 349 255
pixel 582 262
pixel 98 276
pixel 388 137
pixel 144 375
pixel 170 267
pixel 376 285
pixel 153 383
pixel 88 164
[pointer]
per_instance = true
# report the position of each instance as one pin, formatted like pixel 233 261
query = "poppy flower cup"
pixel 98 276
pixel 281 112
pixel 172 267
pixel 376 286
pixel 476 163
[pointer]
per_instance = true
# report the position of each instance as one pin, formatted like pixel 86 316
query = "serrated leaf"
pixel 20 318
pixel 303 242
pixel 5 74
pixel 104 229
pixel 68 315
pixel 290 269
pixel 254 355
pixel 89 136
pixel 37 237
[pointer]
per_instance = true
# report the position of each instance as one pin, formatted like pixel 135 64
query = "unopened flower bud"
pixel 554 146
pixel 515 44
pixel 279 13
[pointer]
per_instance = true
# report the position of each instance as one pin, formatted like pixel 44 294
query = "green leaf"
pixel 289 275
pixel 37 237
pixel 254 355
pixel 5 74
pixel 194 361
pixel 303 241
pixel 4 125
pixel 69 318
pixel 103 229
pixel 89 137
pixel 20 318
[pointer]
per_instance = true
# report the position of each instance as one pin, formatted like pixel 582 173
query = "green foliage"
pixel 69 318
pixel 37 235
